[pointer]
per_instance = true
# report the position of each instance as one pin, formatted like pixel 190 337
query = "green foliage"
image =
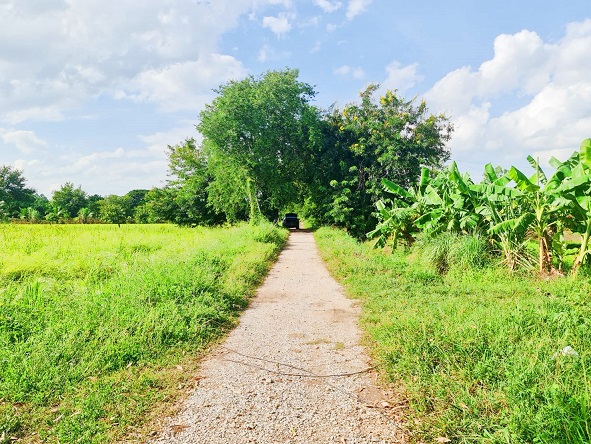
pixel 261 128
pixel 446 250
pixel 115 209
pixel 480 356
pixel 89 314
pixel 188 186
pixel 14 193
pixel 68 200
pixel 509 207
pixel 364 143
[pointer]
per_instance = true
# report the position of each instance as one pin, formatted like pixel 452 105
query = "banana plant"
pixel 576 189
pixel 541 209
pixel 450 203
pixel 397 221
pixel 503 215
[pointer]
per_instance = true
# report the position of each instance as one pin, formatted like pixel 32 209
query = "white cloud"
pixel 278 25
pixel 57 55
pixel 349 71
pixel 545 88
pixel 356 7
pixel 24 141
pixel 156 143
pixel 184 86
pixel 120 171
pixel 400 77
pixel 328 6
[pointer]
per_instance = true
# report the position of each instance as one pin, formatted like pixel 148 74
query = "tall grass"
pixel 480 356
pixel 89 314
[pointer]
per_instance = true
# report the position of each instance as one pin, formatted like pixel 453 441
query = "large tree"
pixel 259 128
pixel 14 194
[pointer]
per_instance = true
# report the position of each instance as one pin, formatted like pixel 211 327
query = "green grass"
pixel 476 352
pixel 94 319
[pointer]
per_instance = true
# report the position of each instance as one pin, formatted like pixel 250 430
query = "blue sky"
pixel 93 91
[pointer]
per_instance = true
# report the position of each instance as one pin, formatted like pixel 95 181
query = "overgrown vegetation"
pixel 480 355
pixel 509 209
pixel 90 314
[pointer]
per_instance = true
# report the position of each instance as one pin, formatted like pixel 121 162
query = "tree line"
pixel 266 149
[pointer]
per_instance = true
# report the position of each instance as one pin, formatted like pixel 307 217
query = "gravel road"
pixel 272 381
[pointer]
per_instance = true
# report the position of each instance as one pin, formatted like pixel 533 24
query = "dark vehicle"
pixel 291 221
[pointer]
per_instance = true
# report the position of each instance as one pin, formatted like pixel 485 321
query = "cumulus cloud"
pixel 184 86
pixel 120 170
pixel 278 25
pixel 328 6
pixel 544 85
pixel 349 71
pixel 57 55
pixel 401 77
pixel 356 7
pixel 24 141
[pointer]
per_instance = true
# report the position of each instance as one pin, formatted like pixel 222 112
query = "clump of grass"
pixel 479 353
pixel 446 250
pixel 82 338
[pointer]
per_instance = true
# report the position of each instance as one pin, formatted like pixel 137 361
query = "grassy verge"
pixel 96 321
pixel 481 355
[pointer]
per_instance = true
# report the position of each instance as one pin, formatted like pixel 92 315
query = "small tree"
pixel 69 199
pixel 115 209
pixel 13 192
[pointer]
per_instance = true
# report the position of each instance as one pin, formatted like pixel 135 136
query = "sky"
pixel 93 91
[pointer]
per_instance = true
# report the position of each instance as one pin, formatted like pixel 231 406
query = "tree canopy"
pixel 258 131
pixel 14 194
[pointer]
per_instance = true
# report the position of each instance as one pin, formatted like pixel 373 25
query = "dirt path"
pixel 269 383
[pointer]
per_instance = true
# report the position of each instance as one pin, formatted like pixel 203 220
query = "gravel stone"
pixel 269 383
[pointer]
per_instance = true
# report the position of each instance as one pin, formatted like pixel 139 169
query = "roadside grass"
pixel 481 355
pixel 96 320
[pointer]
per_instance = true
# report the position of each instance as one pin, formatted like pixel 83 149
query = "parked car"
pixel 291 221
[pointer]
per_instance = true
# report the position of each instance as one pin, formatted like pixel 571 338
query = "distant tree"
pixel 41 204
pixel 30 214
pixel 136 198
pixel 92 203
pixel 115 209
pixel 160 206
pixel 69 199
pixel 188 185
pixel 13 192
pixel 260 129
pixel 85 215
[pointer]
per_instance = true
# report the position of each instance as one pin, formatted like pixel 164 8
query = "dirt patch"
pixel 293 371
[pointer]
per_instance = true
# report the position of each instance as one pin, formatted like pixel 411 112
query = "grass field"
pixel 480 355
pixel 96 320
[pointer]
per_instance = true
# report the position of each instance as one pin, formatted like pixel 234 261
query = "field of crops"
pixel 479 354
pixel 94 319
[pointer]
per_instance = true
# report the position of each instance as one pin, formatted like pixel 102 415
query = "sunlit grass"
pixel 92 316
pixel 479 353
